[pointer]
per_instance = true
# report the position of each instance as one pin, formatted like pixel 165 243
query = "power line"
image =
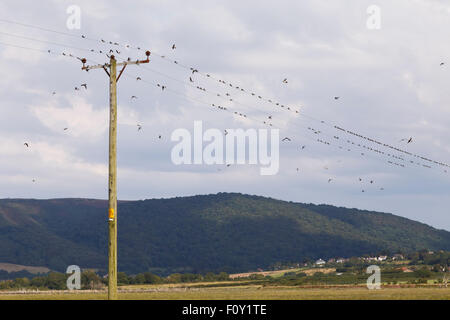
pixel 223 82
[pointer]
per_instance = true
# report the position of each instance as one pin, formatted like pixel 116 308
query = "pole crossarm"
pixel 108 65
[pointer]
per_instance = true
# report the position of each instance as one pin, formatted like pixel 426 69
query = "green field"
pixel 249 293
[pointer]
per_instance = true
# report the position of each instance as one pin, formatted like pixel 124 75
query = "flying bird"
pixel 407 140
pixel 442 63
pixel 336 98
pixel 26 144
pixel 77 89
pixel 286 139
pixel 173 47
pixel 329 180
pixel 139 127
pixel 138 78
pixel 84 85
pixel 133 97
pixel 190 79
pixel 285 80
pixel 159 137
pixel 65 129
pixel 54 92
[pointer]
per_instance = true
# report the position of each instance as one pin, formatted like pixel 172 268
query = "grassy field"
pixel 248 293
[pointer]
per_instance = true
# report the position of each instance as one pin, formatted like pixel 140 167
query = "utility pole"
pixel 112 177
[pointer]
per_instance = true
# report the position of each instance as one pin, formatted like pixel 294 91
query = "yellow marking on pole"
pixel 111 214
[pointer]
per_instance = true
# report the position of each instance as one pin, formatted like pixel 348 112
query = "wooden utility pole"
pixel 112 178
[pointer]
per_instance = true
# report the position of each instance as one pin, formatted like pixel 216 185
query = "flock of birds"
pixel 191 80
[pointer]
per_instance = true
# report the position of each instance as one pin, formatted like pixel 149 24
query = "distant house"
pixel 398 257
pixel 320 262
pixel 382 258
pixel 331 260
pixel 405 269
pixel 340 260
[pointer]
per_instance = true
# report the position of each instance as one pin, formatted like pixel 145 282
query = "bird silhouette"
pixel 159 137
pixel 77 89
pixel 190 79
pixel 286 139
pixel 65 129
pixel 174 47
pixel 26 144
pixel 285 80
pixel 410 140
pixel 84 85
pixel 329 180
pixel 139 127
pixel 442 63
pixel 133 97
pixel 336 98
pixel 138 78
pixel 54 92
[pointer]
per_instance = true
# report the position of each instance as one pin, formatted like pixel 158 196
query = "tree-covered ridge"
pixel 223 232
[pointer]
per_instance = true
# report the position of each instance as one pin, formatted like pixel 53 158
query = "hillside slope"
pixel 223 232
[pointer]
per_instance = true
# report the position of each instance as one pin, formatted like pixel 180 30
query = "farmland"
pixel 245 292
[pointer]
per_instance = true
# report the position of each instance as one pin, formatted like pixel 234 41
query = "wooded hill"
pixel 223 232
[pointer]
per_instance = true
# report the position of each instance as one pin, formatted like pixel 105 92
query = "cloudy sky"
pixel 389 80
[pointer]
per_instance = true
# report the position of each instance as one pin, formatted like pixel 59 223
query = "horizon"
pixel 227 193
